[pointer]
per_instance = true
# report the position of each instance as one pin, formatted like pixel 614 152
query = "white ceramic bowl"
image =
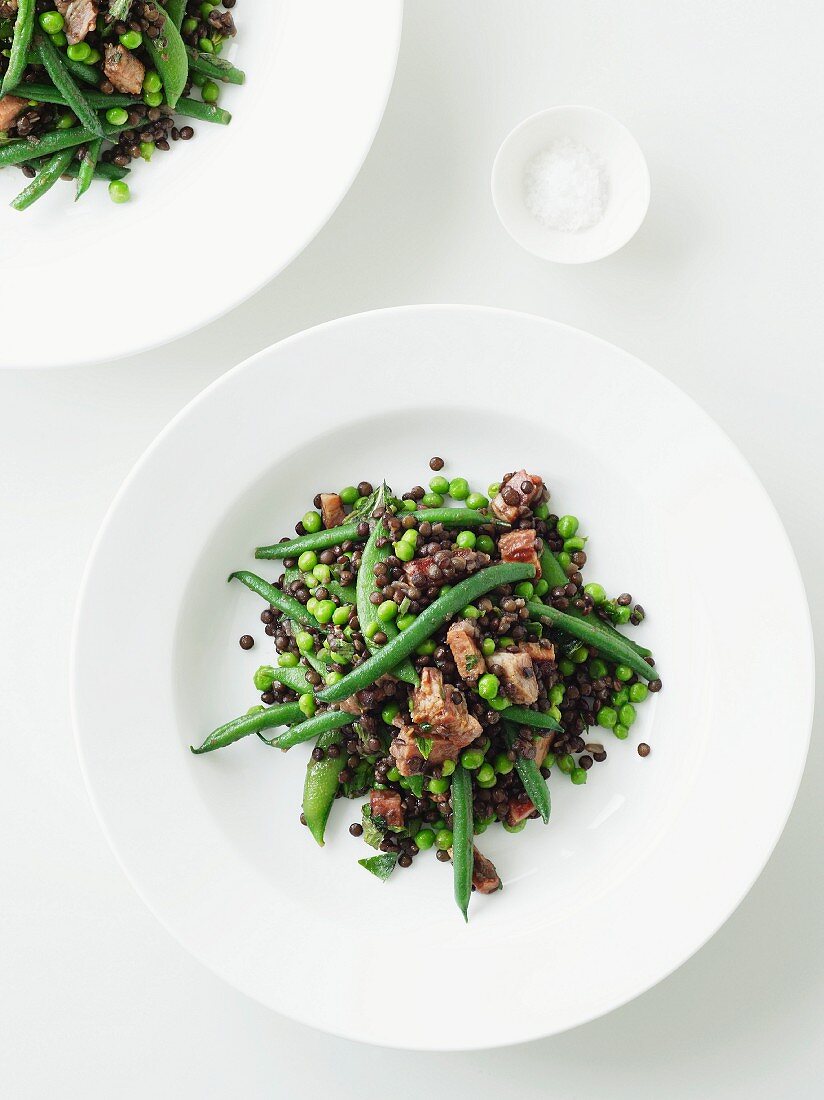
pixel 634 871
pixel 626 167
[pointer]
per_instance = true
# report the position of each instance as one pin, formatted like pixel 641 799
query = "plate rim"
pixel 808 707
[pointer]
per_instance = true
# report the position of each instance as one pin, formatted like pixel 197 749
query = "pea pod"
pixel 367 611
pixel 462 837
pixel 88 164
pixel 176 9
pixel 227 734
pixel 321 785
pixel 206 112
pixel 345 592
pixel 553 573
pixel 210 65
pixel 44 180
pixel 276 598
pixel 530 775
pixel 616 646
pixel 526 717
pixel 64 82
pixel 23 27
pixel 293 678
pixel 311 727
pixel 169 56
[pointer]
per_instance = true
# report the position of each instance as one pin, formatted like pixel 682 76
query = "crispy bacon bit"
pixel 520 807
pixel 542 746
pixel 11 107
pixel 387 804
pixel 538 652
pixel 406 753
pixel 331 507
pixel 519 490
pixel 520 546
pixel 81 17
pixel 123 70
pixel 370 696
pixel 443 711
pixel 518 675
pixel 462 638
pixel 485 878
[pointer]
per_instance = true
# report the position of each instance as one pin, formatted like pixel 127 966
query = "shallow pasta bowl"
pixel 213 843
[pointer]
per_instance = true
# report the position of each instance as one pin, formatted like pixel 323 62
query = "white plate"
pixel 211 223
pixel 635 870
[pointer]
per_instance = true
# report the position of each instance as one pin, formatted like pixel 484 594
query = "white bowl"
pixel 634 871
pixel 628 197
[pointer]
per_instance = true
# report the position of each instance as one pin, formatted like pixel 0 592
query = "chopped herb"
pixel 380 866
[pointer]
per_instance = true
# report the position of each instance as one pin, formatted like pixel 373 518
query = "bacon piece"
pixel 462 638
pixel 387 804
pixel 81 18
pixel 517 673
pixel 514 487
pixel 485 878
pixel 539 652
pixel 125 71
pixel 520 546
pixel 443 710
pixel 542 746
pixel 331 507
pixel 520 807
pixel 11 108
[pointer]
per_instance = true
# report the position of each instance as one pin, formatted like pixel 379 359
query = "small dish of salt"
pixel 571 184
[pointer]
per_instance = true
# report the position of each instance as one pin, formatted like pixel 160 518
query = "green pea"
pixel 119 191
pixel 361 501
pixel 596 591
pixel 627 714
pixel 459 488
pixel 549 761
pixel 444 839
pixel 541 588
pixel 578 776
pixel 486 773
pixel 389 712
pixel 131 40
pixel 439 484
pixel 566 764
pixel 621 731
pixel 66 120
pixel 526 590
pixel 567 526
pixel 500 702
pixel 410 536
pixel 480 827
pixel 342 615
pixel 448 767
pixel 597 669
pixel 503 765
pixel 515 828
pixel 487 647
pixel 571 545
pixel 307 561
pixel 623 673
pixel 304 641
pixel 439 786
pixel 349 494
pixel 445 588
pixel 494 489
pixel 206 10
pixel 471 612
pixel 405 621
pixel 622 615
pixel 485 544
pixel 466 540
pixel 322 573
pixel 555 713
pixel 152 81
pixel 324 611
pixel 312 522
pixel 404 551
pixel 620 697
pixel 94 57
pixel 424 839
pixel 152 99
pixel 288 660
pixel 205 45
pixel 488 686
pixel 566 667
pixel 409 505
pixel 306 703
pixel 52 22
pixel 427 648
pixel 472 759
pixel 432 500
pixel 264 678
pixel 607 717
pixel 393 775
pixel 59 40
pixel 541 511
pixel 564 560
pixel 556 695
pixel 476 501
pixel 387 611
pixel 189 25
pixel 487 784
pixel 146 150
pixel 79 51
pixel 311 605
pixel 506 642
pixel 210 92
pixel 638 693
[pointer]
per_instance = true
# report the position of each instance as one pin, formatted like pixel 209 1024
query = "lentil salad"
pixel 444 658
pixel 89 86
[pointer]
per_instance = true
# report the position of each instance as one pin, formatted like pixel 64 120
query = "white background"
pixel 721 291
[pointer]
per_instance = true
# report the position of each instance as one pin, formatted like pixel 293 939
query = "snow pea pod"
pixel 530 775
pixel 293 678
pixel 276 598
pixel 87 167
pixel 206 112
pixel 232 731
pixel 218 68
pixel 462 837
pixel 44 180
pixel 526 717
pixel 321 785
pixel 176 9
pixel 169 56
pixel 367 611
pixel 615 646
pixel 23 27
pixel 63 80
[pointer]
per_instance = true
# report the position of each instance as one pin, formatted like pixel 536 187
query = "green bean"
pixel 530 775
pixel 169 56
pixel 87 167
pixel 456 517
pixel 281 715
pixel 23 150
pixel 206 112
pixel 293 678
pixel 615 646
pixel 554 575
pixel 44 93
pixel 274 596
pixel 526 717
pixel 462 837
pixel 368 611
pixel 64 82
pixel 311 727
pixel 321 785
pixel 44 180
pixel 215 67
pixel 86 74
pixel 23 27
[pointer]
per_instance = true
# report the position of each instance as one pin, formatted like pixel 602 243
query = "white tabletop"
pixel 721 291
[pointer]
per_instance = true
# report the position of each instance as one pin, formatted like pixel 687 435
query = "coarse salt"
pixel 566 186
